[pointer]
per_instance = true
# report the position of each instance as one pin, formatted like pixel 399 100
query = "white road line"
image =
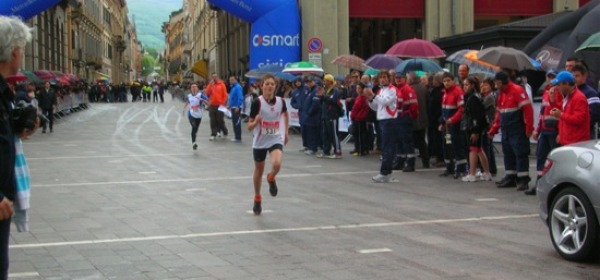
pixel 265 231
pixel 107 156
pixel 313 166
pixel 196 190
pixel 203 179
pixel 147 172
pixel 374 251
pixel 486 199
pixel 23 275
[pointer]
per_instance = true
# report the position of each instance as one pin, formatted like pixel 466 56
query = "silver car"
pixel 569 198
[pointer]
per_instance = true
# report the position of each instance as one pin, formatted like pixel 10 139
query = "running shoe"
pixel 212 138
pixel 272 184
pixel 194 146
pixel 257 209
pixel 309 152
pixel 486 177
pixel 380 178
pixel 469 178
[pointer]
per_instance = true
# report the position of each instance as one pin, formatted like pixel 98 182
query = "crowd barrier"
pixel 72 102
pixel 343 122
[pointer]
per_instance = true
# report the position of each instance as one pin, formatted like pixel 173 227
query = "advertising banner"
pixel 25 9
pixel 275 32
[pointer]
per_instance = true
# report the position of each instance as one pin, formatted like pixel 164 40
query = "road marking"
pixel 106 156
pixel 147 172
pixel 263 211
pixel 374 251
pixel 23 275
pixel 70 145
pixel 266 231
pixel 313 166
pixel 486 199
pixel 196 190
pixel 203 179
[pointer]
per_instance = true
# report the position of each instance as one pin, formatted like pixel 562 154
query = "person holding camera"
pixel 47 102
pixel 14 35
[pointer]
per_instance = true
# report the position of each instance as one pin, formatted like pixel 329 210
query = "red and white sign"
pixel 315 45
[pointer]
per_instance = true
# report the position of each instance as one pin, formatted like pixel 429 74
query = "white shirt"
pixel 384 103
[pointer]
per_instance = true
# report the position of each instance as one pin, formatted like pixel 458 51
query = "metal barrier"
pixel 72 102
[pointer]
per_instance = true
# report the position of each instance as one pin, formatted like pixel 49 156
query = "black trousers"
pixel 419 140
pixel 4 238
pixel 361 137
pixel 217 121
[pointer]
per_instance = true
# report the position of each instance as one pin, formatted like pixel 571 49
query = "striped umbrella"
pixel 350 61
pixel 303 67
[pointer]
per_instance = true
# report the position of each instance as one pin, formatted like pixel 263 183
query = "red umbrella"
pixel 19 77
pixel 45 75
pixel 63 81
pixel 416 48
pixel 72 78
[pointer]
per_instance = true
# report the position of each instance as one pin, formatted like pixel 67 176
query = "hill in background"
pixel 149 17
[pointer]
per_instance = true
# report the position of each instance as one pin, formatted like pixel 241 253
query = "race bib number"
pixel 195 108
pixel 270 128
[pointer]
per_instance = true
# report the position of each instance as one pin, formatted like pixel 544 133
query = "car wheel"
pixel 573 225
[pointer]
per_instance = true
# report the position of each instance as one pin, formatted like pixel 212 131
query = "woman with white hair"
pixel 14 35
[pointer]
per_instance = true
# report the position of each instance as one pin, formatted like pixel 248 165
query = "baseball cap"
pixel 329 77
pixel 551 72
pixel 563 77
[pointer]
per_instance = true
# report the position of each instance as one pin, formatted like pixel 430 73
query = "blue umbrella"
pixel 382 61
pixel 285 76
pixel 417 64
pixel 267 69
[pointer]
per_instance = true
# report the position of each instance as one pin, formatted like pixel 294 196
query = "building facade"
pixel 360 27
pixel 83 37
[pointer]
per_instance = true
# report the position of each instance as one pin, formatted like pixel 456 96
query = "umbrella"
pixel 44 75
pixel 371 72
pixel 592 43
pixel 350 61
pixel 417 64
pixel 19 77
pixel 382 61
pixel 506 58
pixel 285 76
pixel 473 58
pixel 459 57
pixel 261 71
pixel 416 48
pixel 31 77
pixel 303 67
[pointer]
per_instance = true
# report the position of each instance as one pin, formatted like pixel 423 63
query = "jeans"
pixel 545 144
pixel 236 122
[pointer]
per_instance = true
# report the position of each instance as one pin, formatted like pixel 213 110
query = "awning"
pixel 200 69
pixel 101 76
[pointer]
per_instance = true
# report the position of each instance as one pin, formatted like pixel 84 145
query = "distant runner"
pixel 194 106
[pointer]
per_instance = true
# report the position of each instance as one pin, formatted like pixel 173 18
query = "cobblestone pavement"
pixel 118 193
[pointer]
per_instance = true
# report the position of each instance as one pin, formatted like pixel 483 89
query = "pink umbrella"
pixel 416 48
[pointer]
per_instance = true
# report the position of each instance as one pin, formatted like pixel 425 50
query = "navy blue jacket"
pixel 594 103
pixel 297 100
pixel 311 108
pixel 329 103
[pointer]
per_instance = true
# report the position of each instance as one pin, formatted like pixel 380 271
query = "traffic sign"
pixel 315 45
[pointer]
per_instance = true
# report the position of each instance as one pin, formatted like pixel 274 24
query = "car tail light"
pixel 547 166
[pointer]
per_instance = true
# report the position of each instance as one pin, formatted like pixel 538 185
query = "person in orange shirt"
pixel 217 94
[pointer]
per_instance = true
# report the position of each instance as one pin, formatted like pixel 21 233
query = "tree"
pixel 148 64
pixel 151 51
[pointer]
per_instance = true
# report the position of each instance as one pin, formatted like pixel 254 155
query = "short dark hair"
pixel 572 58
pixel 503 77
pixel 448 75
pixel 580 67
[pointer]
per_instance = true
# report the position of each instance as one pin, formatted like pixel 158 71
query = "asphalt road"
pixel 118 193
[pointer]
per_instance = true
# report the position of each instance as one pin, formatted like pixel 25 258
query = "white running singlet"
pixel 270 131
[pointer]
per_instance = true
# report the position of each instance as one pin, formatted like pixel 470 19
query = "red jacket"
pixel 513 110
pixel 453 104
pixel 360 109
pixel 548 122
pixel 574 123
pixel 407 101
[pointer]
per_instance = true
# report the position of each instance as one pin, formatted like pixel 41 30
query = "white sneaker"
pixel 486 177
pixel 309 152
pixel 219 135
pixel 320 154
pixel 478 175
pixel 379 178
pixel 469 178
pixel 212 138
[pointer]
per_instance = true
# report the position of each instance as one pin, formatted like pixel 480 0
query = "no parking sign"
pixel 315 45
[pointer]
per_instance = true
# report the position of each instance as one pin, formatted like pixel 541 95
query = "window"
pixel 106 15
pixel 109 51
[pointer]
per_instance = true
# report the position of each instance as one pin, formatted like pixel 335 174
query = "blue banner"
pixel 25 9
pixel 275 36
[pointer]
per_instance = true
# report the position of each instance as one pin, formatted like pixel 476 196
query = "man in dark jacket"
pixel 14 36
pixel 579 72
pixel 329 119
pixel 47 102
pixel 297 99
pixel 421 123
pixel 310 113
